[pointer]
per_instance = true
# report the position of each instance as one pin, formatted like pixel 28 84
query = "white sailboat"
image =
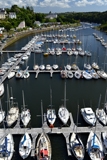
pixel 104 139
pixel 76 144
pixel 1 89
pixel 25 146
pixel 51 114
pixel 63 112
pixel 6 147
pixel 11 74
pixel 94 147
pixel 43 147
pixel 25 114
pixel 2 113
pixel 13 112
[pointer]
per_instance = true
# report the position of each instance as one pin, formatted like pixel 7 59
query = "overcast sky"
pixel 46 6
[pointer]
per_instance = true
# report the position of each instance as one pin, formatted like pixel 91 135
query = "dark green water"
pixel 78 91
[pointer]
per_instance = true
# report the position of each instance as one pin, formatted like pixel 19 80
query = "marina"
pixel 35 90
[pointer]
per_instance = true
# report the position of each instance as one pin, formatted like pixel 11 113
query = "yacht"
pixel 87 66
pixel 86 75
pixel 1 89
pixel 63 74
pixel 42 67
pixel 43 148
pixel 94 147
pixel 69 74
pixel 68 67
pixel 88 116
pixel 101 115
pixel 63 112
pixel 26 74
pixel 6 147
pixel 11 74
pixel 95 65
pixel 13 112
pixel 55 66
pixel 77 146
pixel 48 67
pixel 51 114
pixel 25 114
pixel 19 74
pixel 25 146
pixel 74 66
pixel 78 74
pixel 102 74
pixel 35 67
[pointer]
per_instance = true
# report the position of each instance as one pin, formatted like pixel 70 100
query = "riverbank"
pixel 18 35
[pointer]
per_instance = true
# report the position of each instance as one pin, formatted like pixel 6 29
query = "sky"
pixel 57 6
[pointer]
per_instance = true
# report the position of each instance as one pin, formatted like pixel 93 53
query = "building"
pixel 2 13
pixel 51 16
pixel 12 15
pixel 21 25
pixel 37 23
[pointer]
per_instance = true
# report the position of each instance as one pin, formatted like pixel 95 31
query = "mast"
pixel 65 95
pixel 77 118
pixel 42 114
pixel 98 109
pixel 23 100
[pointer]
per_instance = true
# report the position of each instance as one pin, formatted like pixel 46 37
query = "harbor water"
pixel 78 92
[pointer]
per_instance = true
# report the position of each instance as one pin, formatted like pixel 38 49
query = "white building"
pixel 12 15
pixel 21 25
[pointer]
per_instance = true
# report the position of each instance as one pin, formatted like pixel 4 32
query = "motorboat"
pixel 104 139
pixel 6 147
pixel 88 116
pixel 77 146
pixel 101 115
pixel 1 89
pixel 102 74
pixel 81 53
pixel 19 74
pixel 43 148
pixel 11 74
pixel 94 147
pixel 74 66
pixel 25 146
pixel 25 114
pixel 86 75
pixel 63 74
pixel 78 74
pixel 51 114
pixel 94 74
pixel 63 112
pixel 69 74
pixel 55 66
pixel 42 67
pixel 48 67
pixel 88 53
pixel 26 74
pixel 35 67
pixel 95 65
pixel 87 66
pixel 25 57
pixel 68 67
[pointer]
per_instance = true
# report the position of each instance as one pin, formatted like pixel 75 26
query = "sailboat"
pixel 25 114
pixel 25 146
pixel 43 146
pixel 94 145
pixel 6 147
pixel 13 112
pixel 26 73
pixel 1 89
pixel 63 112
pixel 51 114
pixel 35 67
pixel 2 113
pixel 76 145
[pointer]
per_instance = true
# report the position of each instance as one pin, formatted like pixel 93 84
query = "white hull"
pixel 11 75
pixel 43 142
pixel 8 144
pixel 94 147
pixel 25 146
pixel 104 139
pixel 89 116
pixel 1 89
pixel 25 117
pixel 2 115
pixel 77 146
pixel 12 116
pixel 51 116
pixel 63 114
pixel 101 115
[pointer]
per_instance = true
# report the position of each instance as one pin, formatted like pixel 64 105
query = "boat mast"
pixel 42 114
pixel 77 118
pixel 23 100
pixel 98 109
pixel 65 95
